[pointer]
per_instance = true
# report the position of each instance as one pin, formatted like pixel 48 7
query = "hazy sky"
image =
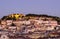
pixel 50 7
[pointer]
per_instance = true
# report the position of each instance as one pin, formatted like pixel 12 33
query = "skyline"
pixel 49 7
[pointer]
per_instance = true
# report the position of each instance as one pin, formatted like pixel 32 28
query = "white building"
pixel 26 22
pixel 4 37
pixel 9 22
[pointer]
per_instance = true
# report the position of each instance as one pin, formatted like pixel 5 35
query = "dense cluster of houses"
pixel 34 24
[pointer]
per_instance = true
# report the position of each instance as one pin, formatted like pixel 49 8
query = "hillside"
pixel 14 17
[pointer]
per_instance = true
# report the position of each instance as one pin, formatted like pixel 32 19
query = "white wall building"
pixel 9 22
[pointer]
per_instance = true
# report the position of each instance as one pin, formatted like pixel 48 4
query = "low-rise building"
pixel 9 22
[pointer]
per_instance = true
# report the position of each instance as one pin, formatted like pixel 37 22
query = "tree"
pixel 4 17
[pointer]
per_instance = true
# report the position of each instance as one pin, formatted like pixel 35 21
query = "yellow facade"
pixel 16 15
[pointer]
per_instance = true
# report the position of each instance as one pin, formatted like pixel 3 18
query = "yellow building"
pixel 16 15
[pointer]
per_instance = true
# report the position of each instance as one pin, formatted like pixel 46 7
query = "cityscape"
pixel 29 26
pixel 29 19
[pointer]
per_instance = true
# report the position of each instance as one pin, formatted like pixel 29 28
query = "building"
pixel 9 22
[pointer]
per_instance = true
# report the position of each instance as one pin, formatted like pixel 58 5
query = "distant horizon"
pixel 49 7
pixel 28 13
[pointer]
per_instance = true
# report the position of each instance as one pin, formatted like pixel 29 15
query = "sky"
pixel 49 7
